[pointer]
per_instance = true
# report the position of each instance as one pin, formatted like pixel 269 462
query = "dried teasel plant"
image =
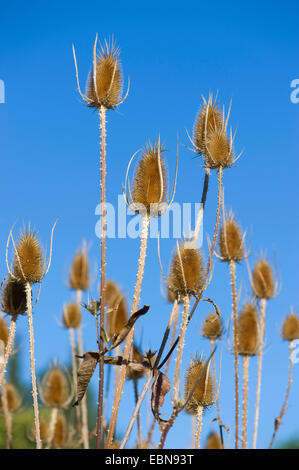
pixel 44 430
pixel 149 198
pixel 56 392
pixel 264 288
pixel 29 266
pixel 103 92
pixel 247 345
pixel 203 395
pixel 290 333
pixel 232 250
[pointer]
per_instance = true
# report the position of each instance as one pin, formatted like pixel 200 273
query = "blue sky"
pixel 173 53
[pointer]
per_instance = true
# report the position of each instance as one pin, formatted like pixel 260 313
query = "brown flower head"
pixel 13 298
pixel 79 272
pixel 71 315
pixel 56 390
pixel 104 86
pixel 13 398
pixel 231 244
pixel 248 331
pixel 290 327
pixel 204 393
pixel 186 270
pixel 262 280
pixel 28 265
pixel 212 327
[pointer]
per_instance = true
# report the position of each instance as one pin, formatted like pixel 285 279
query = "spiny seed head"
pixel 186 270
pixel 60 432
pixel 290 327
pixel 204 393
pixel 248 331
pixel 105 88
pixel 79 273
pixel 43 428
pixel 131 373
pixel 72 315
pixel 13 299
pixel 150 179
pixel 231 244
pixel 55 388
pixel 207 121
pixel 114 299
pixel 213 441
pixel 13 398
pixel 3 331
pixel 212 327
pixel 28 262
pixel 262 280
pixel 219 150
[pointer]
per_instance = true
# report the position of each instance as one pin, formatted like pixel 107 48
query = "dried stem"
pixel 136 411
pixel 285 402
pixel 74 367
pixel 9 347
pixel 245 400
pixel 259 371
pixel 180 350
pixel 139 434
pixel 217 398
pixel 129 340
pixel 198 426
pixel 32 364
pixel 52 425
pixel 83 403
pixel 232 267
pixel 102 114
pixel 7 416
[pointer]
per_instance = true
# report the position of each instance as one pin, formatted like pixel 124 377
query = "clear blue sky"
pixel 173 52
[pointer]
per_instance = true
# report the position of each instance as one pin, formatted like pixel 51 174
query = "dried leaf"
pixel 85 372
pixel 118 339
pixel 161 386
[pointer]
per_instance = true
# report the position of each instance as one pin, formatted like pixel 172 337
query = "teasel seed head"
pixel 290 327
pixel 262 280
pixel 13 298
pixel 43 428
pixel 60 432
pixel 219 150
pixel 114 299
pixel 207 121
pixel 186 270
pixel 55 389
pixel 28 264
pixel 71 315
pixel 231 241
pixel 204 392
pixel 13 398
pixel 79 272
pixel 149 190
pixel 248 331
pixel 131 373
pixel 104 86
pixel 212 327
pixel 213 441
pixel 3 331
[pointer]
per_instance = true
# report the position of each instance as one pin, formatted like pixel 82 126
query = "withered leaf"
pixel 85 372
pixel 160 388
pixel 118 339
